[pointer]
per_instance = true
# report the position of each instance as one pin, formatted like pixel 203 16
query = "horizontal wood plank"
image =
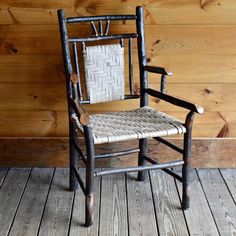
pixel 55 124
pixel 41 96
pixel 49 68
pixel 53 152
pixel 169 39
pixel 156 12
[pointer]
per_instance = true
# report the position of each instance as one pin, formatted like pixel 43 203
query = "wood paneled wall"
pixel 194 38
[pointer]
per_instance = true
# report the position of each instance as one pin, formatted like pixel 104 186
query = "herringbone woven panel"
pixel 104 72
pixel 141 123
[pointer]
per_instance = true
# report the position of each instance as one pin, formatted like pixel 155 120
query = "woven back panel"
pixel 104 72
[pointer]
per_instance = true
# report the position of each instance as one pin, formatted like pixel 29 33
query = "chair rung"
pixel 139 168
pixel 80 181
pixel 166 170
pixel 169 144
pixel 116 154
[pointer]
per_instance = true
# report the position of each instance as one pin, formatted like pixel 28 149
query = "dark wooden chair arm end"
pixel 176 101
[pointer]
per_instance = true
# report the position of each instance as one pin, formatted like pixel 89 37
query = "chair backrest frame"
pixel 74 89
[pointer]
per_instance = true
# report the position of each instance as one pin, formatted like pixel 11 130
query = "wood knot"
pixel 207 91
pixel 156 42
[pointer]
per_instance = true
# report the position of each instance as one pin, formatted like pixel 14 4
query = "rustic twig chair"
pixel 104 74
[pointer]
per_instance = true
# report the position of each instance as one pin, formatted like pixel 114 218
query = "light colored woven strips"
pixel 104 72
pixel 135 124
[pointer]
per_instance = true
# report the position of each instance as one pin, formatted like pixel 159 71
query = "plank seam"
pixel 207 202
pixel 18 205
pixel 45 203
pixel 180 202
pixel 4 177
pixel 153 201
pixel 127 212
pixel 234 200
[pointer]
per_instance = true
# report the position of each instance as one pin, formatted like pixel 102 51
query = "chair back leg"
pixel 89 198
pixel 73 184
pixel 141 160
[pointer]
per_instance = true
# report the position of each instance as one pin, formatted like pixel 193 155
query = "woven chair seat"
pixel 140 123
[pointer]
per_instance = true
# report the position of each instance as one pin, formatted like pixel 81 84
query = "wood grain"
pixel 41 96
pixel 141 212
pixel 10 196
pixel 167 39
pixel 57 212
pixel 113 215
pixel 229 176
pixel 198 216
pixel 167 205
pixel 55 123
pixel 53 152
pixel 31 207
pixel 78 215
pixel 195 39
pixel 49 68
pixel 3 173
pixel 156 12
pixel 220 201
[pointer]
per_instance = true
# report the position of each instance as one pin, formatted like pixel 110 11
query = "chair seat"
pixel 140 123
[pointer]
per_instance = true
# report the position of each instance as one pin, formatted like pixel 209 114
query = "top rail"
pixel 98 18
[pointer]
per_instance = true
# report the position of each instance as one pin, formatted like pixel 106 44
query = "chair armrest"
pixel 176 101
pixel 158 70
pixel 79 111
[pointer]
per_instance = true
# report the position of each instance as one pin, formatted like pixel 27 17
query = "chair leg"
pixel 185 170
pixel 89 198
pixel 73 183
pixel 141 161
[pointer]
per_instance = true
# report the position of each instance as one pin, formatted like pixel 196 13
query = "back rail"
pixel 100 18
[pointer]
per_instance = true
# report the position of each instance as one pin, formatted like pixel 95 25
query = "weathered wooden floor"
pixel 37 202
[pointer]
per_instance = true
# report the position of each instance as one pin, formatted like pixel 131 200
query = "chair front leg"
pixel 73 183
pixel 141 161
pixel 89 198
pixel 186 159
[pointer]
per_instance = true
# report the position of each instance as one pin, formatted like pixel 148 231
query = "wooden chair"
pixel 104 74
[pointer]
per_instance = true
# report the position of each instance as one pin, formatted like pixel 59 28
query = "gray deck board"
pixel 38 202
pixel 141 213
pixel 10 196
pixel 229 176
pixel 3 173
pixel 198 216
pixel 57 213
pixel 78 214
pixel 30 210
pixel 167 205
pixel 113 215
pixel 220 201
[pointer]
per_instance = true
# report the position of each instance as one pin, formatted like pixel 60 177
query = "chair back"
pixel 103 64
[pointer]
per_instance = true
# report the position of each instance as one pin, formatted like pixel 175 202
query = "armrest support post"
pixel 163 83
